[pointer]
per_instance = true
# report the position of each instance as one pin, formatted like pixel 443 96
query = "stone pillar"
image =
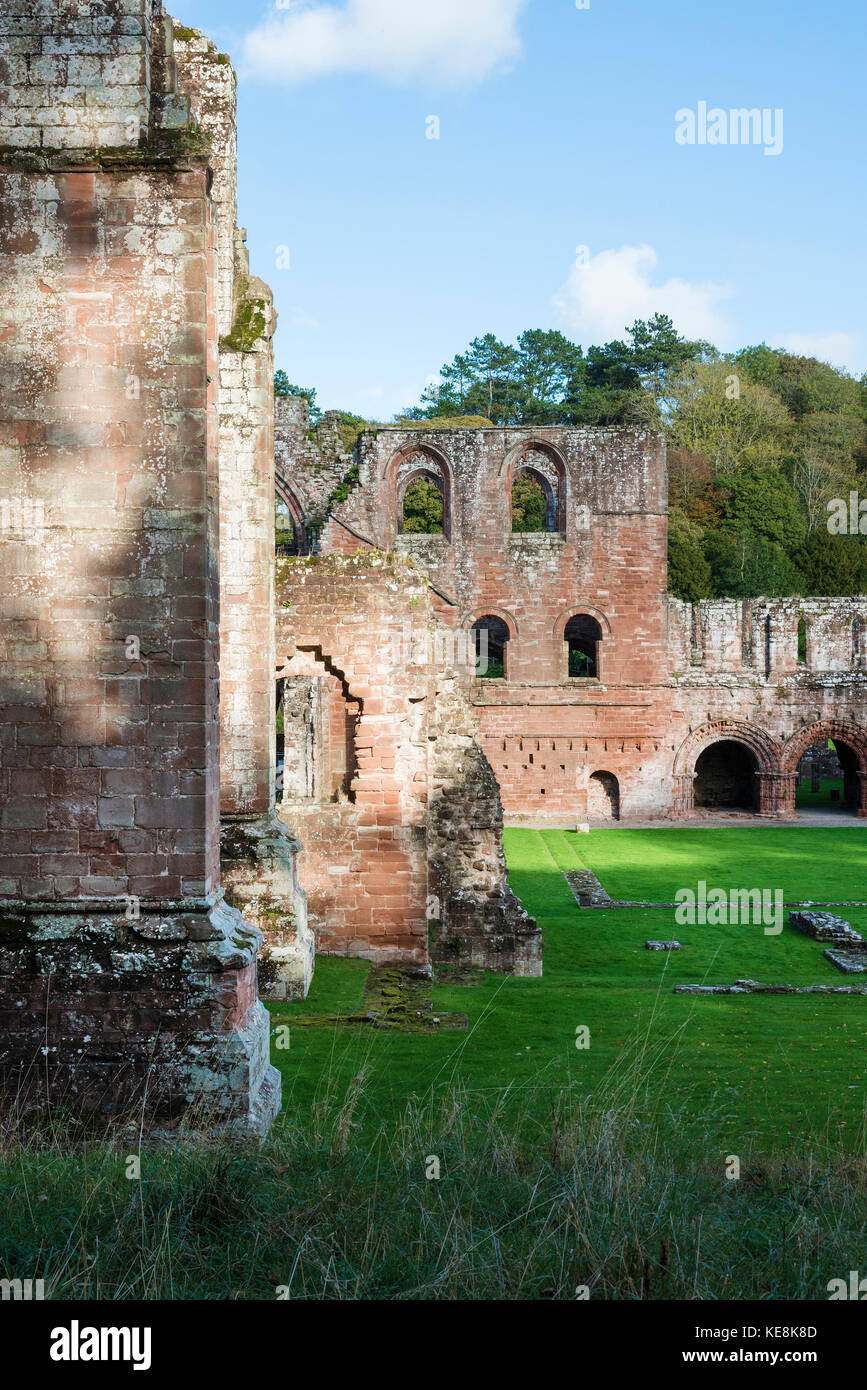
pixel 861 811
pixel 776 793
pixel 259 853
pixel 127 982
pixel 683 796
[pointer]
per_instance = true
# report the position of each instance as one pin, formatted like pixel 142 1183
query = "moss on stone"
pixel 248 325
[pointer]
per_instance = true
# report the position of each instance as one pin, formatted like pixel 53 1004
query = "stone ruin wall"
pixel 311 464
pixel 402 833
pixel 672 678
pixel 120 957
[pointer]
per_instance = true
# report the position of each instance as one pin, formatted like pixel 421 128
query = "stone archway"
pixel 742 771
pixel 290 500
pixel 850 742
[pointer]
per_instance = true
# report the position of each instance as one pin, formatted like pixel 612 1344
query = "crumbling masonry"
pixel 166 855
pixel 139 645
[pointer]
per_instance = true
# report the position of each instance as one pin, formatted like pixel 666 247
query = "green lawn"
pixel 821 799
pixel 770 1073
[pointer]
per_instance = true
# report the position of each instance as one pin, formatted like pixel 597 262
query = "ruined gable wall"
pixel 108 754
pixel 311 463
pixel 543 733
pixel 610 556
pixel 667 670
pixel 422 820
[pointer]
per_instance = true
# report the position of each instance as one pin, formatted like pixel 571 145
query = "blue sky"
pixel 556 131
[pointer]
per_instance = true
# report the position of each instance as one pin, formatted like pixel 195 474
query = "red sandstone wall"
pixel 364 862
pixel 108 778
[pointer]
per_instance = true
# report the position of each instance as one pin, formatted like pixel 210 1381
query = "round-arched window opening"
pixel 538 493
pixel 533 505
pixel 583 637
pixel 491 638
pixel 423 510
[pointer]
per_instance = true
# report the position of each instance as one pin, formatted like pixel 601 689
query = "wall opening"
pixel 423 496
pixel 583 638
pixel 317 725
pixel 828 778
pixel 288 537
pixel 603 796
pixel 491 638
pixel 725 778
pixel 534 507
pixel 802 641
pixel 538 493
pixel 423 511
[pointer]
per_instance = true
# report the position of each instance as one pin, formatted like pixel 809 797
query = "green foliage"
pixel 351 426
pixel 284 387
pixel 744 565
pixel 832 564
pixel 529 504
pixel 545 379
pixel 423 508
pixel 689 573
pixel 761 500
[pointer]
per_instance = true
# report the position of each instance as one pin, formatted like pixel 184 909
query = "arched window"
pixel 538 491
pixel 583 638
pixel 423 496
pixel 290 530
pixel 287 541
pixel 491 637
pixel 858 645
pixel 423 506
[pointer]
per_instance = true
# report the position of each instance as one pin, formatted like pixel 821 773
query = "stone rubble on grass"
pixel 754 987
pixel 662 945
pixel 824 926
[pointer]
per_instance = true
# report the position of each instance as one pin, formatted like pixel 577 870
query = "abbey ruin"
pixel 165 861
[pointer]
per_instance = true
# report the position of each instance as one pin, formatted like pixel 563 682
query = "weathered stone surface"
pixel 824 926
pixel 851 962
pixel 110 475
pixel 673 679
pixel 259 859
pixel 394 803
pixel 755 987
pixel 587 889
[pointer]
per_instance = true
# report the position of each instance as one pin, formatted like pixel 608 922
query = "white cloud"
pixel 456 41
pixel 840 349
pixel 604 297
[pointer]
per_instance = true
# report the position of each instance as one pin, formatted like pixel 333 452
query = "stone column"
pixel 776 794
pixel 128 984
pixel 683 798
pixel 259 854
